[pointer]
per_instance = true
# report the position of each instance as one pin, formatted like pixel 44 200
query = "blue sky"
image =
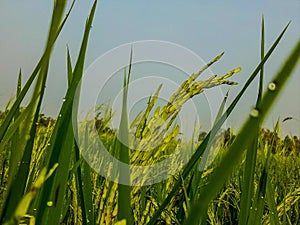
pixel 205 27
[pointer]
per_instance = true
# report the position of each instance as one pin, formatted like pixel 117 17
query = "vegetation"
pixel 254 179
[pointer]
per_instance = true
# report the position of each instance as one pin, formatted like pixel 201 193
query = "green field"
pixel 254 178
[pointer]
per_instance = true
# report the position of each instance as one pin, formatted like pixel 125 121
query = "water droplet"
pixel 254 113
pixel 59 115
pixel 272 213
pixel 262 197
pixel 272 86
pixel 64 99
pixel 49 144
pixel 49 203
pixel 255 209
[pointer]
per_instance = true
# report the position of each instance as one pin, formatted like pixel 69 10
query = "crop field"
pixel 251 176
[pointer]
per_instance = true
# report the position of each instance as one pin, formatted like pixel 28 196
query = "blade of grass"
pixel 206 154
pixel 262 54
pixel 124 197
pixel 257 210
pixel 195 157
pixel 8 119
pixel 61 146
pixel 233 156
pixel 17 132
pixel 13 157
pixel 270 193
pixel 87 192
pixel 221 109
pixel 83 170
pixel 274 218
pixel 6 134
pixel 69 67
pixel 249 169
pixel 17 182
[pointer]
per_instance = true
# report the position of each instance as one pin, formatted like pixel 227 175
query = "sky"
pixel 206 28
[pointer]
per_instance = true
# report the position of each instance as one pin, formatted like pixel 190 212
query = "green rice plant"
pixel 250 162
pixel 124 191
pixel 61 146
pixel 53 184
pixel 83 173
pixel 212 133
pixel 19 166
pixel 233 156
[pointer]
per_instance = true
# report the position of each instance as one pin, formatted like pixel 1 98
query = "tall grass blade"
pixel 69 67
pixel 87 192
pixel 83 170
pixel 61 146
pixel 249 169
pixel 7 121
pixel 19 86
pixel 124 197
pixel 17 181
pixel 15 138
pixel 213 132
pixel 233 156
pixel 221 109
pixel 5 135
pixel 262 54
pixel 270 193
pixel 257 210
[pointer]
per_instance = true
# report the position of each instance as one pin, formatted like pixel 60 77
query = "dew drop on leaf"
pixel 50 203
pixel 254 113
pixel 272 86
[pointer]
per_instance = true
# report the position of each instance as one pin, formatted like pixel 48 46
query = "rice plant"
pixel 45 180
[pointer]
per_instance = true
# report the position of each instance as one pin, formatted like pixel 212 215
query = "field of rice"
pixel 254 178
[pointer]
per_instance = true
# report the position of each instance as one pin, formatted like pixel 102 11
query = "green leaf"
pixel 234 155
pixel 124 197
pixel 61 146
pixel 249 170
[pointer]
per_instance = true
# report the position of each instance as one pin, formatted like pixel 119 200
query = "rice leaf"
pixel 69 67
pixel 221 109
pixel 124 197
pixel 17 181
pixel 61 146
pixel 7 121
pixel 249 170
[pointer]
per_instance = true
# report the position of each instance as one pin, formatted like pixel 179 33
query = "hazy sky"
pixel 205 27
